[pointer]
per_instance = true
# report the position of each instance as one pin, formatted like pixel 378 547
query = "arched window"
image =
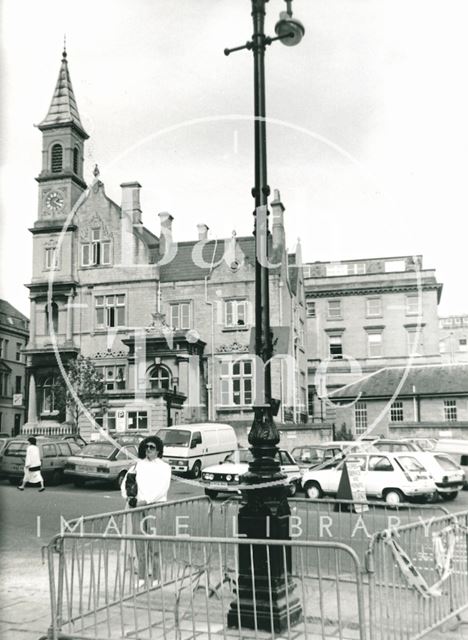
pixel 56 158
pixel 48 394
pixel 160 378
pixel 53 318
pixel 76 155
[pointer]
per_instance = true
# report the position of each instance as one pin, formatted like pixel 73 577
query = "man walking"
pixel 32 466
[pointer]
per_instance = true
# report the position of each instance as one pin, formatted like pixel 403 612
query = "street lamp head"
pixel 289 25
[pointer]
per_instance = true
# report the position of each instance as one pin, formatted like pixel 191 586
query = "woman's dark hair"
pixel 32 440
pixel 156 441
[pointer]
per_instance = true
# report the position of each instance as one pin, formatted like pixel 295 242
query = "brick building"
pixel 169 324
pixel 13 338
pixel 365 315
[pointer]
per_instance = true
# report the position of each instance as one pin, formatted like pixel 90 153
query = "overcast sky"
pixel 368 139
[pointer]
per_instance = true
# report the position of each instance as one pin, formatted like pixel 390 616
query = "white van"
pixel 458 450
pixel 190 447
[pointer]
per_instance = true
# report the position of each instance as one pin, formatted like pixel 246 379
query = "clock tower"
pixel 61 178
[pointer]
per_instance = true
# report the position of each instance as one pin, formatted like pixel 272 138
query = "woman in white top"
pixel 32 466
pixel 147 482
pixel 151 474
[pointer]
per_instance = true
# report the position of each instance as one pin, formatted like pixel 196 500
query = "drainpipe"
pixel 211 378
pixel 280 323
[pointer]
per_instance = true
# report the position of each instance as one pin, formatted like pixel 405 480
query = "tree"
pixel 89 389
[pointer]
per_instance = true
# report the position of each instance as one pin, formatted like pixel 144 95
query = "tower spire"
pixel 63 109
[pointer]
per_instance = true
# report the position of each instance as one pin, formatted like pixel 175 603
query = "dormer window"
pixel 97 252
pixel 56 158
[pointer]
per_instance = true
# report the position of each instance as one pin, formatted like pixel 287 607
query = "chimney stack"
pixel 202 231
pixel 131 201
pixel 278 234
pixel 165 235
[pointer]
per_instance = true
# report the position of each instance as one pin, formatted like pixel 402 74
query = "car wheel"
pixel 196 470
pixel 211 493
pixel 313 490
pixel 56 478
pixel 393 497
pixel 79 482
pixel 120 479
pixel 451 495
pixel 292 489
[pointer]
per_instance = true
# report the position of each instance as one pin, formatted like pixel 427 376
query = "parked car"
pixel 457 450
pixel 394 477
pixel 189 448
pixel 103 460
pixel 74 438
pixel 54 455
pixel 324 454
pixel 448 476
pixel 226 477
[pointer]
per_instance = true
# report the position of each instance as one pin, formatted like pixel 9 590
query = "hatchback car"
pixel 102 460
pixel 54 455
pixel 448 476
pixel 393 477
pixel 226 477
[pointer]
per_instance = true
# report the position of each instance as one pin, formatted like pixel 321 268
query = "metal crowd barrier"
pixel 356 568
pixel 418 577
pixel 190 589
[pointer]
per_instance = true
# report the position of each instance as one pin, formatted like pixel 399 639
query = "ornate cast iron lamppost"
pixel 264 571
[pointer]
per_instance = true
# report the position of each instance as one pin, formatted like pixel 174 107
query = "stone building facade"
pixel 170 325
pixel 13 338
pixel 453 338
pixel 420 400
pixel 365 315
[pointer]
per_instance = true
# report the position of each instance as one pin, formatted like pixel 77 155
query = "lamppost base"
pixel 265 591
pixel 265 612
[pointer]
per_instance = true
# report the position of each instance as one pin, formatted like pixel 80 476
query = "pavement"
pixel 25 615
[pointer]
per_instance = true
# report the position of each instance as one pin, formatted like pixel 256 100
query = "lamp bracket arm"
pixel 266 40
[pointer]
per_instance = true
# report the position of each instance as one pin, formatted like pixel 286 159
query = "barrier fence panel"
pixel 144 587
pixel 418 577
pixel 346 521
pixel 192 547
pixel 193 516
pixel 349 522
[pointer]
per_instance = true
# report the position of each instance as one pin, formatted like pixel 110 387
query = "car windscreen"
pixel 425 445
pixel 410 464
pixel 447 463
pixel 242 456
pixel 97 450
pixel 16 449
pixel 311 454
pixel 175 437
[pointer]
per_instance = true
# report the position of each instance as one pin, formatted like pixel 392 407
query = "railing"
pixel 171 570
pixel 49 430
pixel 190 588
pixel 418 576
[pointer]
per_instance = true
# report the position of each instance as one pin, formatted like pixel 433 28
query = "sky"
pixel 367 122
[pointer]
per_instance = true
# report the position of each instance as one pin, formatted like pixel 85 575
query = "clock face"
pixel 54 201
